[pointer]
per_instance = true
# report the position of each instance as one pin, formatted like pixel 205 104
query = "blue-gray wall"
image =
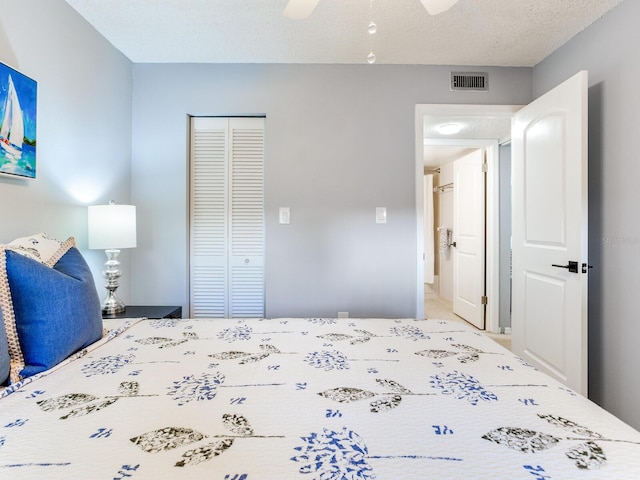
pixel 609 51
pixel 84 125
pixel 340 141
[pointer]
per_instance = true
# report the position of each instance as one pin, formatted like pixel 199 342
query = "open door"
pixel 469 237
pixel 549 233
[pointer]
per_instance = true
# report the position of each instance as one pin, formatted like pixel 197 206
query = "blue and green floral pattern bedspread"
pixel 316 399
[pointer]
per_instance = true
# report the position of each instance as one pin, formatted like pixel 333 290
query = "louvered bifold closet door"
pixel 246 137
pixel 227 217
pixel 209 228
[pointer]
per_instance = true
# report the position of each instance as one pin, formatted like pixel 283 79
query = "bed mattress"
pixel 306 398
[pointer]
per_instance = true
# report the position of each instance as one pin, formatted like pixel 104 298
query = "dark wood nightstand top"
pixel 154 311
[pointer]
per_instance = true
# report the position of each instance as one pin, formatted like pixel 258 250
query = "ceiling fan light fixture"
pixel 449 128
pixel 371 58
pixel 299 9
pixel 436 7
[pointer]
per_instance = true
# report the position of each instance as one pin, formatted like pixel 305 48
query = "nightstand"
pixel 138 311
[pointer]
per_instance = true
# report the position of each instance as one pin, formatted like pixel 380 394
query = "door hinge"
pixel 484 300
pixel 485 167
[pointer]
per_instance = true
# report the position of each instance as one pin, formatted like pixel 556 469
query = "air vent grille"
pixel 478 81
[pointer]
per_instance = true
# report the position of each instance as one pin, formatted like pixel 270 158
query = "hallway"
pixel 437 310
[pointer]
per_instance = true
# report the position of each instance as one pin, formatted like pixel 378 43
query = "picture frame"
pixel 18 114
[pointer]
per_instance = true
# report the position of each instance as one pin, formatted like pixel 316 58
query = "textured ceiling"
pixel 477 127
pixel 470 127
pixel 472 32
pixel 436 156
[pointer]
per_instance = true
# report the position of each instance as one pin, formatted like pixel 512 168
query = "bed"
pixel 303 398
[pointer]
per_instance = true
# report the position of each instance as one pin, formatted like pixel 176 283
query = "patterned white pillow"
pixel 40 247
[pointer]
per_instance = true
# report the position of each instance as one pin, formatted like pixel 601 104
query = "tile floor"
pixel 436 309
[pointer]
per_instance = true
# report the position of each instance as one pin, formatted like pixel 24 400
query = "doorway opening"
pixel 484 127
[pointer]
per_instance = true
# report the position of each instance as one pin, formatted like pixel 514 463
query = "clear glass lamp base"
pixel 112 304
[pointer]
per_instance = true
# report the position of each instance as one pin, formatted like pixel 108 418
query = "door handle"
pixel 571 266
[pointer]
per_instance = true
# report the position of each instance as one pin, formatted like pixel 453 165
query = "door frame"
pixel 493 196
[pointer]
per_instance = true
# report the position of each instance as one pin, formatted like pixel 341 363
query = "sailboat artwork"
pixel 18 100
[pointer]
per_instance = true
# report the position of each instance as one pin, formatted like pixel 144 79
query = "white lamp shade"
pixel 112 226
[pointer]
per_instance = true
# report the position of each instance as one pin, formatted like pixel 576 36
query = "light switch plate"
pixel 285 215
pixel 381 215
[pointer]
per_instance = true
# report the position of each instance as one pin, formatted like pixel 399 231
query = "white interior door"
pixel 549 231
pixel 469 237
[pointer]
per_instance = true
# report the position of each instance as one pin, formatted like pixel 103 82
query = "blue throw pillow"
pixel 57 310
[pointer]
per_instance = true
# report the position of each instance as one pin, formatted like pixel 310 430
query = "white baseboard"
pixel 446 301
pixel 431 289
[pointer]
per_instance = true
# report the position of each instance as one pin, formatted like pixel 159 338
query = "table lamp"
pixel 111 228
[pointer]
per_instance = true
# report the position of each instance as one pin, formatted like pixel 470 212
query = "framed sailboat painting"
pixel 18 102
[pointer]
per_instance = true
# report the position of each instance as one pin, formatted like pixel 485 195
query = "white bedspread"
pixel 328 399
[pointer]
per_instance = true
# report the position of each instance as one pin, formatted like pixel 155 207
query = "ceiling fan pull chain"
pixel 373 28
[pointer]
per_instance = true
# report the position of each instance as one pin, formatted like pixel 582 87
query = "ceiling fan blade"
pixel 299 9
pixel 434 7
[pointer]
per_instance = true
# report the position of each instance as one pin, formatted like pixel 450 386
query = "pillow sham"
pixel 5 360
pixel 52 309
pixel 41 247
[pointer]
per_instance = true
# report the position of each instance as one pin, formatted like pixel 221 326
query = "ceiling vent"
pixel 478 81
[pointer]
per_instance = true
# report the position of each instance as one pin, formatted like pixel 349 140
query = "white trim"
pixel 492 274
pixel 419 187
pixel 493 195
